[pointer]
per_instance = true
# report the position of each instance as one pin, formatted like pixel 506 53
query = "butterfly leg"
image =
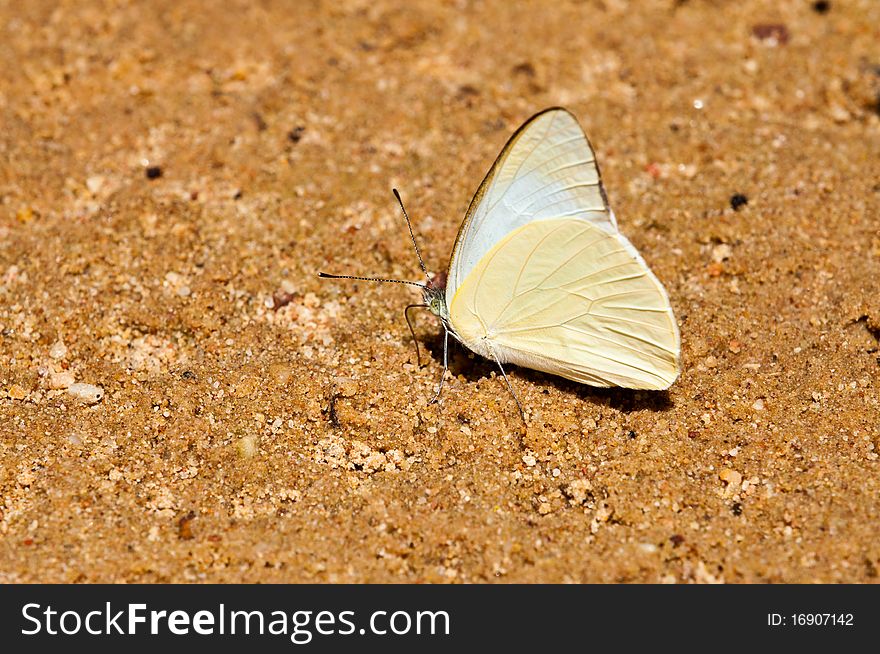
pixel 436 398
pixel 522 413
pixel 413 331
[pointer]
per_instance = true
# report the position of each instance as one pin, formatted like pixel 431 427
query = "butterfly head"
pixel 435 296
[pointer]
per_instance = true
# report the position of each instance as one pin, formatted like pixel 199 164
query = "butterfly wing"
pixel 540 275
pixel 546 170
pixel 567 297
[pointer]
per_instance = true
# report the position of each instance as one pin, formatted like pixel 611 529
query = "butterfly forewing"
pixel 546 170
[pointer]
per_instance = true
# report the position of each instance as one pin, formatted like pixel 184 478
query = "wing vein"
pixel 560 266
pixel 529 258
pixel 518 177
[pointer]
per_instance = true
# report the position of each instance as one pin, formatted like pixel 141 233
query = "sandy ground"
pixel 173 174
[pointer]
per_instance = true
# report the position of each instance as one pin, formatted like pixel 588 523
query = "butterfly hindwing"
pixel 566 297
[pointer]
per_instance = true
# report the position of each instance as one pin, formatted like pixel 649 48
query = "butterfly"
pixel 541 277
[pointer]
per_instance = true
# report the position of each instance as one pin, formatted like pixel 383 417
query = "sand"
pixel 173 175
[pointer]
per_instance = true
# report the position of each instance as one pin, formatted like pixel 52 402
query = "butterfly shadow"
pixel 461 360
pixel 625 400
pixel 475 368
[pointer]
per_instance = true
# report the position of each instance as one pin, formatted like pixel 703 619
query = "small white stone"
pixel 87 393
pixel 59 380
pixel 95 184
pixel 721 252
pixel 58 350
pixel 529 460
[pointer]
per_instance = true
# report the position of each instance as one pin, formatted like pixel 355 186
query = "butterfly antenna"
pixel 371 279
pixel 411 234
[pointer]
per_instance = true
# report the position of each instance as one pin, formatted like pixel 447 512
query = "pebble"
pixel 737 201
pixel 281 373
pixel 721 252
pixel 87 393
pixel 346 386
pixel 295 135
pixel 16 392
pixel 758 405
pixel 58 350
pixel 247 446
pixel 247 386
pixel 715 269
pixel 731 477
pixel 95 184
pixel 184 526
pixel 279 300
pixel 529 460
pixel 772 34
pixel 312 301
pixel 689 171
pixel 578 489
pixel 59 380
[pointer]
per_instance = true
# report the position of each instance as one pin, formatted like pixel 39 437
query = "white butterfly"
pixel 540 275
